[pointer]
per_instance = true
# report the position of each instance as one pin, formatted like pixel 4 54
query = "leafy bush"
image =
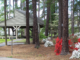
pixel 42 35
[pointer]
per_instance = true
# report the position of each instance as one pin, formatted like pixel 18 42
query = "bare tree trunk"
pixel 51 26
pixel 27 22
pixel 13 9
pixel 16 4
pixel 47 21
pixel 78 20
pixel 13 31
pixel 65 47
pixel 5 21
pixel 72 16
pixel 38 8
pixel 44 8
pixel 33 36
pixel 60 19
pixel 21 5
pixel 9 7
pixel 35 25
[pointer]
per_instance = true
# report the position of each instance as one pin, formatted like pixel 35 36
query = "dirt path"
pixel 28 52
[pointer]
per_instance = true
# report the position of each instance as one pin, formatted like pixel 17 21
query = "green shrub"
pixel 42 35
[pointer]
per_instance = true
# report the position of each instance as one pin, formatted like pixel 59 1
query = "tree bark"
pixel 47 21
pixel 72 16
pixel 27 22
pixel 5 21
pixel 79 19
pixel 13 9
pixel 33 33
pixel 16 4
pixel 21 5
pixel 35 25
pixel 44 8
pixel 60 19
pixel 9 7
pixel 38 8
pixel 13 31
pixel 65 47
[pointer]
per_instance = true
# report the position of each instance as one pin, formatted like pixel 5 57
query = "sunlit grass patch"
pixel 3 40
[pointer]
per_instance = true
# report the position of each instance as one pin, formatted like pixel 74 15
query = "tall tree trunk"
pixel 27 22
pixel 5 22
pixel 13 9
pixel 21 5
pixel 33 35
pixel 72 16
pixel 35 24
pixel 38 8
pixel 13 31
pixel 78 19
pixel 9 7
pixel 60 19
pixel 16 3
pixel 47 21
pixel 44 8
pixel 65 47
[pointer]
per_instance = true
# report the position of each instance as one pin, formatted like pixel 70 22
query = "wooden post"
pixel 5 21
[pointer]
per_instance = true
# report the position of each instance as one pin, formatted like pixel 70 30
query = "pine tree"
pixel 48 17
pixel 65 48
pixel 60 27
pixel 27 22
pixel 35 25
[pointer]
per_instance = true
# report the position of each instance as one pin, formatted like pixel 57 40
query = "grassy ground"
pixel 3 40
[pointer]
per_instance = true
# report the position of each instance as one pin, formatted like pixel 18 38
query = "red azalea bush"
pixel 58 45
pixel 79 40
pixel 71 41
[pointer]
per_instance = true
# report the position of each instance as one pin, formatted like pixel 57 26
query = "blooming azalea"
pixel 58 45
pixel 76 48
pixel 79 40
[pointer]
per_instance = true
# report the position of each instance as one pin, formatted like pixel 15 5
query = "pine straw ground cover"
pixel 28 52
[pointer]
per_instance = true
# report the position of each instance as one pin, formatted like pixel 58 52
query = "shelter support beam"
pixel 16 28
